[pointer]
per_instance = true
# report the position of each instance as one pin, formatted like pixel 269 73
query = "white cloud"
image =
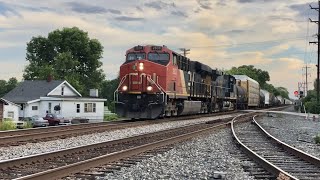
pixel 204 33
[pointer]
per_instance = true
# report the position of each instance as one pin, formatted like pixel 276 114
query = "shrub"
pixel 110 117
pixel 312 107
pixel 317 139
pixel 28 124
pixel 7 124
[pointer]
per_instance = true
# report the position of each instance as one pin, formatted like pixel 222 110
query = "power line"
pixel 251 43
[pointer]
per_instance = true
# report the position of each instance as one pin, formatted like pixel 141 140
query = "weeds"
pixel 7 124
pixel 110 117
pixel 317 139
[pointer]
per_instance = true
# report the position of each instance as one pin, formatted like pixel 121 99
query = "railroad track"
pixel 281 160
pixel 105 156
pixel 20 137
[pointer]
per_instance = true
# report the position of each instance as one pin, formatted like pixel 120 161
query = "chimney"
pixel 49 79
pixel 94 93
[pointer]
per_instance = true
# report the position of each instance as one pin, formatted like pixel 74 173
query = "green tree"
pixel 257 74
pixel 107 91
pixel 6 86
pixel 67 54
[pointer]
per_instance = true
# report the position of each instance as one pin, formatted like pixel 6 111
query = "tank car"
pixel 156 82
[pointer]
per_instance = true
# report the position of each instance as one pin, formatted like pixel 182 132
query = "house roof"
pixel 6 102
pixel 31 90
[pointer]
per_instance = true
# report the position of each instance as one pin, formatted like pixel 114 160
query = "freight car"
pixel 157 82
pixel 252 89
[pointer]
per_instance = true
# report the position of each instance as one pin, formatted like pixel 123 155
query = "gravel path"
pixel 195 159
pixel 295 131
pixel 49 146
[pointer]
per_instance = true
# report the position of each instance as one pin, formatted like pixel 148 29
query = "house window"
pixel 78 108
pixel 34 108
pixel 49 107
pixel 10 114
pixel 89 107
pixel 62 90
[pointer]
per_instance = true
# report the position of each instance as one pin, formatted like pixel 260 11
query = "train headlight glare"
pixel 149 88
pixel 141 66
pixel 124 88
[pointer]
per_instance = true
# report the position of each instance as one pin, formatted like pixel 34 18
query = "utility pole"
pixel 185 51
pixel 306 83
pixel 318 35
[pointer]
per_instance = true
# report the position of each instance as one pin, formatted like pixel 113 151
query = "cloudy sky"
pixel 269 34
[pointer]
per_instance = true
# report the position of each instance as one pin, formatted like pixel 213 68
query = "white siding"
pixel 28 112
pixel 67 91
pixel 266 96
pixel 69 109
pixel 11 109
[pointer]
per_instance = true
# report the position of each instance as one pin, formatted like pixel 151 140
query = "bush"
pixel 7 124
pixel 317 139
pixel 110 117
pixel 112 107
pixel 28 124
pixel 312 107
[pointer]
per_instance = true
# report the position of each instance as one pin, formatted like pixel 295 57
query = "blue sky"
pixel 269 34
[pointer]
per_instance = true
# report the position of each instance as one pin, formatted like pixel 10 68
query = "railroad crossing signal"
pixel 296 93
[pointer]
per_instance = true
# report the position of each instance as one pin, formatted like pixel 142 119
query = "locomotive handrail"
pixel 121 82
pixel 158 86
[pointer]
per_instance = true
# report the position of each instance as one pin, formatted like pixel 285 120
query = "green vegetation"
pixel 6 86
pixel 7 124
pixel 110 117
pixel 107 91
pixel 317 139
pixel 27 124
pixel 67 54
pixel 261 76
pixel 310 102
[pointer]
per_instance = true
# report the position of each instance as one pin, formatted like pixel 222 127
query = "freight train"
pixel 157 82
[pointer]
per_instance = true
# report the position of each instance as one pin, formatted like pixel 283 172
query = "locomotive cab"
pixel 141 92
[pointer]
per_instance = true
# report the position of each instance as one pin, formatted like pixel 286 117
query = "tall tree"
pixel 257 74
pixel 6 86
pixel 66 54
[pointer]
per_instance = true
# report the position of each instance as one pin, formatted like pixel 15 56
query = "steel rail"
pixel 105 159
pixel 63 171
pixel 13 137
pixel 259 159
pixel 303 155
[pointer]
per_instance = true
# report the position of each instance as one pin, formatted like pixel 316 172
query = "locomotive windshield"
pixel 161 58
pixel 135 56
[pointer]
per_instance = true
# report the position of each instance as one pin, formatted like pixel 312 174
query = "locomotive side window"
pixel 135 56
pixel 174 60
pixel 161 58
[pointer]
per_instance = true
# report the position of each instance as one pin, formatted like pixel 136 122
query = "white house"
pixel 40 97
pixel 8 110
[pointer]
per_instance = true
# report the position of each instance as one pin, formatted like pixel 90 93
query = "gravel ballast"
pixel 50 146
pixel 293 130
pixel 195 159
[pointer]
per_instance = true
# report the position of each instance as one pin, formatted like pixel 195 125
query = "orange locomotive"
pixel 156 81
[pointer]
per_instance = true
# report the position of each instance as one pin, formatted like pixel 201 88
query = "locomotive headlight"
pixel 124 88
pixel 149 88
pixel 141 67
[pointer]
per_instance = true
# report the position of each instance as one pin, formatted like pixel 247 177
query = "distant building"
pixel 8 110
pixel 40 97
